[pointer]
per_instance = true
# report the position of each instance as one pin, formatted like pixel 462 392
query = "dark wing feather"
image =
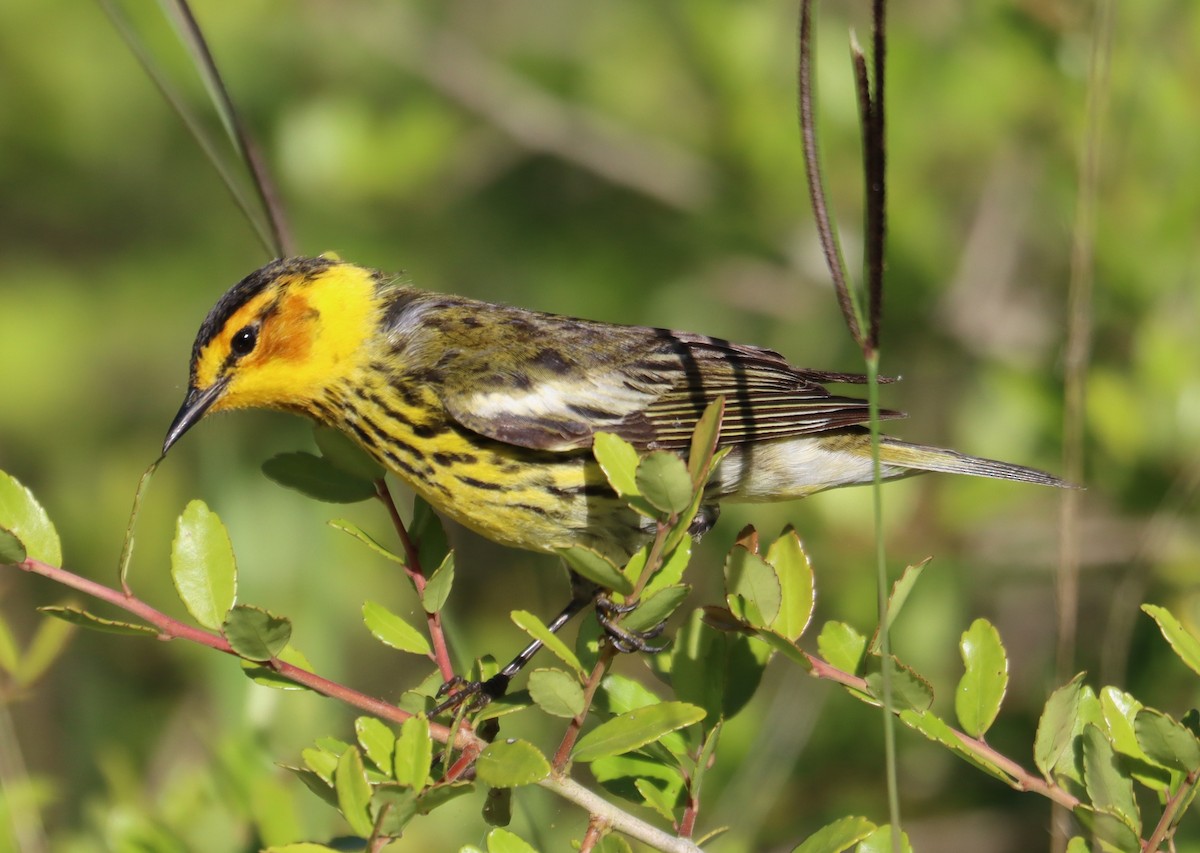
pixel 550 383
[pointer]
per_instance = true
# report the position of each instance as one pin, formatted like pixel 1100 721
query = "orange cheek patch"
pixel 288 334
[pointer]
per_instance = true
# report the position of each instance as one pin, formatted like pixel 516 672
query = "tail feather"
pixel 921 458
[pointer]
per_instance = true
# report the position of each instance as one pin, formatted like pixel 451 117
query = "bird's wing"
pixel 553 391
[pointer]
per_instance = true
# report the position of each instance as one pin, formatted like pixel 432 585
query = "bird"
pixel 489 412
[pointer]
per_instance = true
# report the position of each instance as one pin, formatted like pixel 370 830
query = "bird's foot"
pixel 471 694
pixel 625 640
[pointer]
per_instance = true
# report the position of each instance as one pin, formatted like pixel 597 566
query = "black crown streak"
pixel 246 289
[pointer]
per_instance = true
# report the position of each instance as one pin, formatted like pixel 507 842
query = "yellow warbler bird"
pixel 488 411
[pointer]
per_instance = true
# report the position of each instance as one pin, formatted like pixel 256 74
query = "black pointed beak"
pixel 194 406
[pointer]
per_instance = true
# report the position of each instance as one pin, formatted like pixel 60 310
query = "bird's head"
pixel 279 338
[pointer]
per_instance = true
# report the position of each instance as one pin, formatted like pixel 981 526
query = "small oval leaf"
pixel 353 791
pixel 982 687
pixel 752 587
pixel 414 753
pixel 556 692
pixel 392 630
pixel 798 595
pixel 98 623
pixel 836 837
pixel 1183 641
pixel 619 461
pixel 635 729
pixel 255 634
pixel 377 742
pixel 437 588
pixel 663 479
pixel 510 764
pixel 12 549
pixel 1056 727
pixel 317 478
pixel 203 567
pixel 345 454
pixel 1165 741
pixel 597 568
pixel 22 516
pixel 537 629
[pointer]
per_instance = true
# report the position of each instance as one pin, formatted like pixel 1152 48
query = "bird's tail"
pixel 918 457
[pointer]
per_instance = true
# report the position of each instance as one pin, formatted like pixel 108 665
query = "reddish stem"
pixel 563 753
pixel 172 629
pixel 416 574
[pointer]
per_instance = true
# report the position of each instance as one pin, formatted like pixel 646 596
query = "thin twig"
pixel 195 129
pixel 620 821
pixel 1076 357
pixel 416 574
pixel 172 629
pixel 1171 812
pixel 816 189
pixel 268 195
pixel 563 754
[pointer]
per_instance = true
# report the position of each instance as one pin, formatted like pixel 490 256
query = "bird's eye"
pixel 243 341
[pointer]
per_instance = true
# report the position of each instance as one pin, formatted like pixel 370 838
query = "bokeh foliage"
pixel 632 162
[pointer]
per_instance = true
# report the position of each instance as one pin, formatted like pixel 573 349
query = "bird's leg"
pixel 623 639
pixel 479 693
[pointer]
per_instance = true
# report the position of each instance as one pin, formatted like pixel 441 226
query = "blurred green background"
pixel 632 162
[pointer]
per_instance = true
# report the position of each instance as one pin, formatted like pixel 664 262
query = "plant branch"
pixel 617 820
pixel 172 629
pixel 563 754
pixel 826 231
pixel 416 574
pixel 1171 813
pixel 1023 780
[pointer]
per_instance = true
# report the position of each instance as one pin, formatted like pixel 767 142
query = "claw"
pixel 476 694
pixel 624 640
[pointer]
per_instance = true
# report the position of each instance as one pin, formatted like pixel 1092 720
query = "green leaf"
pixel 1078 844
pixel 1108 784
pixel 655 609
pixel 427 532
pixel 798 596
pixel 716 670
pixel 345 454
pixel 511 763
pixel 671 571
pixel 353 791
pixel 909 689
pixel 900 591
pixel 934 728
pixel 662 800
pixel 835 837
pixel 841 646
pixel 556 692
pixel 619 461
pixel 500 840
pixel 596 567
pixel 704 442
pixel 365 538
pixel 1182 640
pixel 98 623
pixel 663 479
pixel 1056 728
pixel 255 634
pixel 392 808
pixel 497 807
pixel 12 549
pixel 437 587
pixel 268 677
pixel 635 729
pixel 22 516
pixel 982 687
pixel 1166 742
pixel 620 775
pixel 377 742
pixel 317 478
pixel 301 847
pixel 202 565
pixel 414 753
pixel 880 841
pixel 392 630
pixel 751 582
pixel 322 760
pixel 536 628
